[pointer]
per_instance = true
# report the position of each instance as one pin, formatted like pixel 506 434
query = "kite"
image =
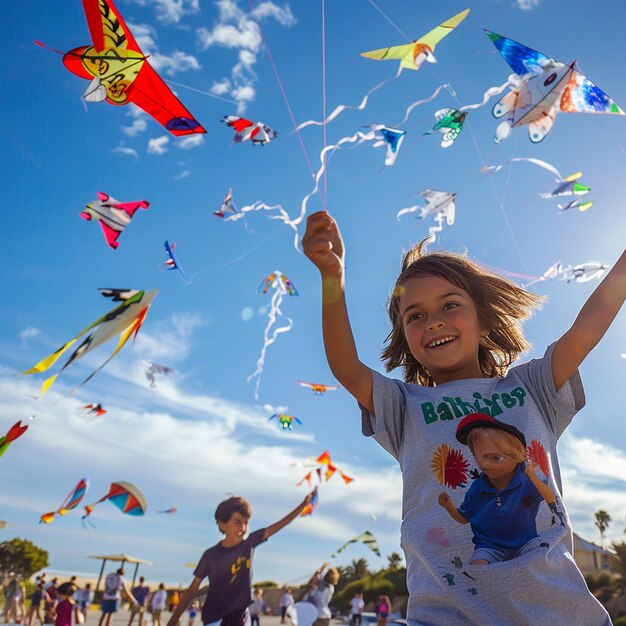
pixel 245 129
pixel 125 319
pixel 93 409
pixel 282 286
pixel 578 203
pixel 542 88
pixel 169 511
pixel 114 216
pixel 412 55
pixel 120 73
pixel 311 506
pixel 581 273
pixel 285 421
pixel 324 462
pixel 318 388
pixel 71 501
pixel 154 368
pixel 450 123
pixel 390 137
pixel 171 262
pixel 15 432
pixel 440 204
pixel 366 538
pixel 125 496
pixel 568 186
pixel 228 206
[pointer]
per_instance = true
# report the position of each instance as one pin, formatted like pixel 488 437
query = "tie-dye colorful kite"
pixel 71 501
pixel 282 286
pixel 15 432
pixel 125 319
pixel 543 87
pixel 120 73
pixel 285 421
pixel 412 55
pixel 114 216
pixel 256 132
pixel 125 496
pixel 366 538
pixel 318 388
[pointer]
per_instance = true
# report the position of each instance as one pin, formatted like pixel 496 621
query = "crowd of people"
pixel 67 603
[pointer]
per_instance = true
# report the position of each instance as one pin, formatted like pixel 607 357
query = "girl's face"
pixel 441 327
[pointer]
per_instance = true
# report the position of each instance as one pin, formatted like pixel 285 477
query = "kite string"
pixel 389 20
pixel 324 198
pixel 283 93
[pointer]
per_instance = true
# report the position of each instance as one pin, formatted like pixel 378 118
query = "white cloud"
pixel 190 141
pixel 172 11
pixel 122 149
pixel 236 29
pixel 138 125
pixel 183 174
pixel 528 5
pixel 28 333
pixel 156 145
pixel 169 340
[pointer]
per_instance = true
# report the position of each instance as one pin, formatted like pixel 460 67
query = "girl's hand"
pixel 530 469
pixel 323 245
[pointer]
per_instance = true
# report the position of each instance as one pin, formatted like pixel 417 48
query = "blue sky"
pixel 202 434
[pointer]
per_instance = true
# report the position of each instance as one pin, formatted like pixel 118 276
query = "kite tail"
pixel 342 107
pixel 492 91
pixel 268 340
pixel 538 162
pixel 432 237
pixel 411 209
pixel 419 102
pixel 283 216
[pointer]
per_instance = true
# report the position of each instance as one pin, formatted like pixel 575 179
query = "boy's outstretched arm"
pixel 590 325
pixel 323 245
pixel 281 523
pixel 185 600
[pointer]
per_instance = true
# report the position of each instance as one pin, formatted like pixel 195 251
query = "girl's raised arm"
pixel 323 245
pixel 592 322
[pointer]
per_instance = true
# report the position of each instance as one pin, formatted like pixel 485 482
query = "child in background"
pixel 228 564
pixel 67 611
pixel 36 599
pixel 158 604
pixel 257 608
pixel 455 332
pixel 193 611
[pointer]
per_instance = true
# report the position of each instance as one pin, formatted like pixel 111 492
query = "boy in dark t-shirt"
pixel 228 564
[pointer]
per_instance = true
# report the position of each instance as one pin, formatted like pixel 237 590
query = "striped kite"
pixel 71 501
pixel 125 496
pixel 366 538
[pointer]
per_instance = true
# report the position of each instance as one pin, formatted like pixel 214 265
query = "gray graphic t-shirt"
pixel 229 571
pixel 417 426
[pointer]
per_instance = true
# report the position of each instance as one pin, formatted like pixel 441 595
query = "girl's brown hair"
pixel 501 306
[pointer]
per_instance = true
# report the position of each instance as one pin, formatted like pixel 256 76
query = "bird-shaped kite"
pixel 71 501
pixel 152 369
pixel 581 273
pixel 94 409
pixel 392 138
pixel 318 388
pixel 16 431
pixel 257 132
pixel 285 421
pixel 450 123
pixel 125 319
pixel 125 496
pixel 568 186
pixel 171 263
pixel 439 204
pixel 543 87
pixel 114 216
pixel 228 206
pixel 120 73
pixel 412 55
pixel 366 538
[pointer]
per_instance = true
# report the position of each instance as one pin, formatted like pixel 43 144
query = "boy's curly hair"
pixel 501 306
pixel 234 504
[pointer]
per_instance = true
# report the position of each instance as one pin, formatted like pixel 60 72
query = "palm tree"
pixel 358 569
pixel 394 560
pixel 602 523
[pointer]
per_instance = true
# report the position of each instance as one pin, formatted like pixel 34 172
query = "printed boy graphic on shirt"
pixel 502 503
